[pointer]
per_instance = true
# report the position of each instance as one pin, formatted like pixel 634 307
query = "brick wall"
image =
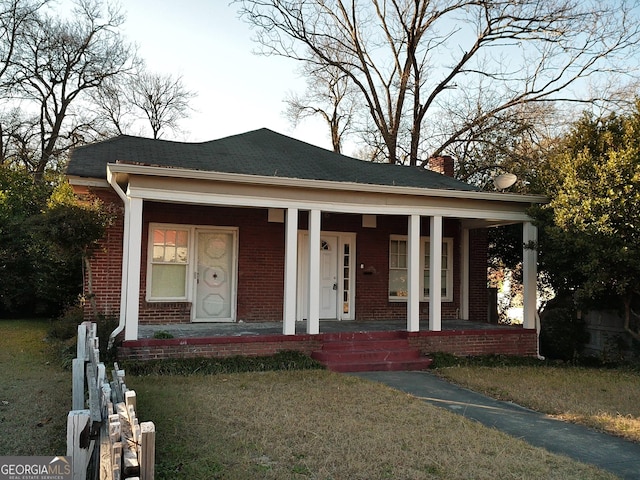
pixel 478 266
pixel 217 347
pixel 518 342
pixel 106 263
pixel 372 282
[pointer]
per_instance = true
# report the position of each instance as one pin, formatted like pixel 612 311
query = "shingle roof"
pixel 259 152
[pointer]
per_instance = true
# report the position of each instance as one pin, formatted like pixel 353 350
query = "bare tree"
pixel 15 15
pixel 162 99
pixel 409 59
pixel 329 95
pixel 57 63
pixel 113 111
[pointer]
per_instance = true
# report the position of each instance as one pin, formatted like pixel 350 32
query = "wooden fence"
pixel 125 447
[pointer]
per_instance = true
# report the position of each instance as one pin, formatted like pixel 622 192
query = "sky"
pixel 206 43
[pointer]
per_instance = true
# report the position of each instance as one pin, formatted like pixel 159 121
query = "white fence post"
pixel 79 443
pixel 126 448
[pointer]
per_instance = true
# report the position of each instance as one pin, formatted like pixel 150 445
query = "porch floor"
pixel 204 330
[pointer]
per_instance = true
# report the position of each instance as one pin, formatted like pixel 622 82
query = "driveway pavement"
pixel 580 443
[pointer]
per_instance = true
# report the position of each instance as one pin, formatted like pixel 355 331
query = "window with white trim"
pixel 169 262
pixel 398 272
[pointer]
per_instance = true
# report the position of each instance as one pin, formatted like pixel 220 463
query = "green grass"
pixel 35 391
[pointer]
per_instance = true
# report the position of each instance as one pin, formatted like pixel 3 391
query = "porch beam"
pixel 290 272
pixel 313 315
pixel 466 275
pixel 435 274
pixel 530 273
pixel 413 274
pixel 133 269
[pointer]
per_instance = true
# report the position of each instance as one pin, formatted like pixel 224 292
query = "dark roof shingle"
pixel 259 152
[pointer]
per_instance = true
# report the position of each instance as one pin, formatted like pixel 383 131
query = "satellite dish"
pixel 504 180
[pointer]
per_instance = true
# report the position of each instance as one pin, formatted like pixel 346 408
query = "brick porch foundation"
pixel 516 342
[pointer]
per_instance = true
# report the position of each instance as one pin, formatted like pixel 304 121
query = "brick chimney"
pixel 442 164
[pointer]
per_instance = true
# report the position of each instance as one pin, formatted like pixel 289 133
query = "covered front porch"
pixel 248 329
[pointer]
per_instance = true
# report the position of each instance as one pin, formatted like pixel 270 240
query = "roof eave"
pixel 157 171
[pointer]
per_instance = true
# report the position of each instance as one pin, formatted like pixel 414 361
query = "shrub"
pixel 65 326
pixel 562 335
pixel 285 360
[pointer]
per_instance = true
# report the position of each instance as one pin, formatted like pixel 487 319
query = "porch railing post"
pixel 530 274
pixel 413 274
pixel 313 317
pixel 290 272
pixel 435 274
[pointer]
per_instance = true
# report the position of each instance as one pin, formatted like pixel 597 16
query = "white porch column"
pixel 290 272
pixel 124 281
pixel 529 274
pixel 134 249
pixel 413 274
pixel 313 315
pixel 464 281
pixel 435 274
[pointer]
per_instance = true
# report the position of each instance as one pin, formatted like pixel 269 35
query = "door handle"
pixel 335 286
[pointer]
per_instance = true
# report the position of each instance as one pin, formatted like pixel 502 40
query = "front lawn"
pixel 319 424
pixel 35 392
pixel 269 425
pixel 605 399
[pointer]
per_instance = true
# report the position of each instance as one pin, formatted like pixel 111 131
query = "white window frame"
pixel 188 265
pixel 447 247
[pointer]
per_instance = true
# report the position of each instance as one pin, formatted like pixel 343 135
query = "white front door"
pixel 215 290
pixel 329 282
pixel 328 277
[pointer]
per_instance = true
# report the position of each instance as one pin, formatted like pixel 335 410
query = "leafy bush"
pixel 444 359
pixel 65 327
pixel 285 360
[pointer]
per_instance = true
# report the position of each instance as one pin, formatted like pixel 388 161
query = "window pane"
pixel 445 257
pixel 443 286
pixel 398 283
pixel 181 238
pixel 169 254
pixel 158 253
pixel 181 255
pixel 158 237
pixel 168 281
pixel 425 284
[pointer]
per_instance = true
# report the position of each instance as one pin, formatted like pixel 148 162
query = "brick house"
pixel 260 227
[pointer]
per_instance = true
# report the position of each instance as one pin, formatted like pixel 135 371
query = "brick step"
pixel 363 336
pixel 338 356
pixel 414 365
pixel 372 351
pixel 382 344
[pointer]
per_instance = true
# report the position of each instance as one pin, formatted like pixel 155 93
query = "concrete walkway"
pixel 580 443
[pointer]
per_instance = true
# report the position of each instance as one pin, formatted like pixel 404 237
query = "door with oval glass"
pixel 215 290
